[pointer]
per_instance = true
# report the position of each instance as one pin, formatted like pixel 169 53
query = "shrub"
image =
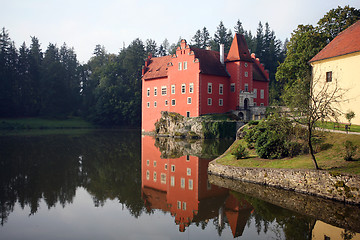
pixel 240 152
pixel 350 150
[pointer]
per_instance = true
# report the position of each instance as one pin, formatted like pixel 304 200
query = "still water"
pixel 121 185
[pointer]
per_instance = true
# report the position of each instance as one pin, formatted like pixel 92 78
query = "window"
pixel 261 104
pixel 329 76
pixel 255 93
pixel 262 93
pixel 147 175
pixel 189 100
pixel 173 102
pixel 172 181
pixel 148 92
pixel 187 157
pixel 246 64
pixel 209 88
pixel 191 185
pixel 221 102
pixel 232 87
pixel 188 171
pixel 154 163
pixel 246 74
pixel 154 176
pixel 191 88
pixel 163 178
pixel 187 114
pixel 183 88
pixel 172 89
pixel 182 183
pixel 246 87
pixel 147 162
pixel 165 166
pixel 148 104
pixel 163 90
pixel 166 102
pixel 155 91
pixel 221 89
pixel 178 204
pixel 254 104
pixel 209 101
pixel 172 168
pixel 184 205
pixel 185 65
pixel 155 104
pixel 179 66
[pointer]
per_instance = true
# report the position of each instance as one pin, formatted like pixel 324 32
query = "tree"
pixel 239 28
pixel 151 47
pixel 308 107
pixel 337 20
pixel 164 48
pixel 221 36
pixel 259 41
pixel 196 39
pixel 204 38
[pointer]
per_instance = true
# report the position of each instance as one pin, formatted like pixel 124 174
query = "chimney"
pixel 222 50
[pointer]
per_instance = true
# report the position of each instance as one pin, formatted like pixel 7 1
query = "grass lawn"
pixel 40 123
pixel 340 126
pixel 330 159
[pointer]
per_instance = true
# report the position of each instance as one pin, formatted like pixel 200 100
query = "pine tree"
pixel 196 39
pixel 239 28
pixel 222 36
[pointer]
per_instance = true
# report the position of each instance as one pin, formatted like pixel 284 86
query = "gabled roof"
pixel 156 67
pixel 239 49
pixel 259 72
pixel 348 41
pixel 210 62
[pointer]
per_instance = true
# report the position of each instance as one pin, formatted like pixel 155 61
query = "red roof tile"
pixel 157 67
pixel 348 41
pixel 239 49
pixel 210 62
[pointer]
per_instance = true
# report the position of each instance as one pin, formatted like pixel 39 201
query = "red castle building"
pixel 195 82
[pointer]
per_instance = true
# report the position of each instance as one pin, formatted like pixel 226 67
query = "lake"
pixel 117 184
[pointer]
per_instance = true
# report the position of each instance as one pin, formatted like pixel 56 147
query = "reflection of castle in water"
pixel 180 186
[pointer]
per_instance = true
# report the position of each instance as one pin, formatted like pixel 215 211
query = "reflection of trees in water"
pixel 48 167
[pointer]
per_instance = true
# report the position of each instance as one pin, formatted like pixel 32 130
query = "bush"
pixel 240 152
pixel 350 150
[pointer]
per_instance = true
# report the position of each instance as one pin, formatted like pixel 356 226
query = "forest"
pixel 106 90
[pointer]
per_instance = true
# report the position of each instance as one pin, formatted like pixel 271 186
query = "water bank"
pixel 340 187
pixel 332 212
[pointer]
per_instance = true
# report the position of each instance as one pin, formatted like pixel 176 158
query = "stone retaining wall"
pixel 340 187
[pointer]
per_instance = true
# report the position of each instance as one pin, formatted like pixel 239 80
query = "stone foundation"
pixel 340 187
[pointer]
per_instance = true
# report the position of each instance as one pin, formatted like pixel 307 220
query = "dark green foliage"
pixel 219 129
pixel 274 137
pixel 349 150
pixel 240 152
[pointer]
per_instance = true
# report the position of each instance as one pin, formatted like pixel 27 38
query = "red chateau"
pixel 195 82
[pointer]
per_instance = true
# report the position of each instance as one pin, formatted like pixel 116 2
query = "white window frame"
pixel 209 101
pixel 246 74
pixel 184 206
pixel 172 168
pixel 185 65
pixel 148 92
pixel 191 184
pixel 154 176
pixel 165 166
pixel 262 93
pixel 147 175
pixel 209 89
pixel 221 102
pixel 163 91
pixel 148 104
pixel 173 102
pixel 179 66
pixel 155 91
pixel 155 104
pixel 166 102
pixel 182 182
pixel 221 89
pixel 188 171
pixel 179 204
pixel 187 114
pixel 189 100
pixel 154 163
pixel 173 89
pixel 163 178
pixel 183 88
pixel 232 87
pixel 147 162
pixel 191 87
pixel 172 181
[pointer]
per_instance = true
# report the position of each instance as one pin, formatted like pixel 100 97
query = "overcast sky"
pixel 83 24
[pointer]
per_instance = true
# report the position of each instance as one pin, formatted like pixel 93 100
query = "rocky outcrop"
pixel 175 125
